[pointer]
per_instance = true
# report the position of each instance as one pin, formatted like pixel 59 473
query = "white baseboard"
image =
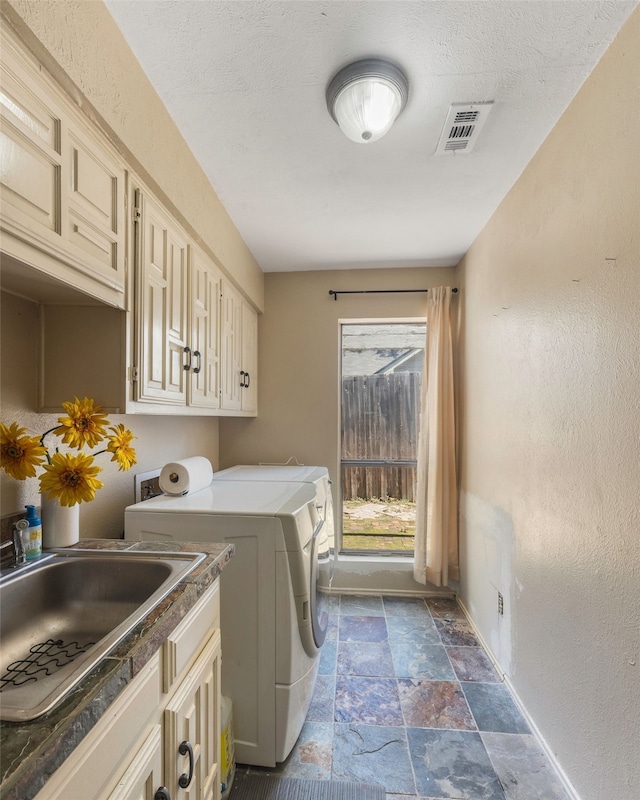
pixel 390 592
pixel 566 783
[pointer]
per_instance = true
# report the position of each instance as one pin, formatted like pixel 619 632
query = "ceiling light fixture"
pixel 365 99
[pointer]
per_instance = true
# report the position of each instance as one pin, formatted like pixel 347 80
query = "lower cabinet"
pixel 191 722
pixel 143 777
pixel 160 739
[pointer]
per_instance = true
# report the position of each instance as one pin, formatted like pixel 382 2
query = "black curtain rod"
pixel 379 291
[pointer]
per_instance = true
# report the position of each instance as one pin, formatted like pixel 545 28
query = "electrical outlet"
pixel 147 485
pixel 150 488
pixel 500 604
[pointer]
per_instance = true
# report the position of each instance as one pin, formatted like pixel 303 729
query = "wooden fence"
pixel 380 421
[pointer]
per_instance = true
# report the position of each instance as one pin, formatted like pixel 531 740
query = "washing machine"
pixel 272 623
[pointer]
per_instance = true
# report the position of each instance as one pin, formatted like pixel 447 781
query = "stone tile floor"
pixel 406 697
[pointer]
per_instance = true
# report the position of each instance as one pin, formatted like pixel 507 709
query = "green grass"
pixel 378 525
pixel 377 544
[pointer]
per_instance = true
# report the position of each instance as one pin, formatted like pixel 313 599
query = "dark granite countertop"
pixel 31 751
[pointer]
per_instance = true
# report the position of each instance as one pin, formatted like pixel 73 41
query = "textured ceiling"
pixel 245 82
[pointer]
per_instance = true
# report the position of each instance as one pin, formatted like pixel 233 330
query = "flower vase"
pixel 60 524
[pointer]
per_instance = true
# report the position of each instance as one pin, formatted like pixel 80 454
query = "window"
pixel 381 374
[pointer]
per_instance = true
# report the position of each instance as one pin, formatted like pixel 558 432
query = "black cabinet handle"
pixel 184 780
pixel 242 374
pixel 246 386
pixel 186 367
pixel 196 353
pixel 162 794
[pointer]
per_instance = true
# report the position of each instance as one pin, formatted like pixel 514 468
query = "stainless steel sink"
pixel 63 614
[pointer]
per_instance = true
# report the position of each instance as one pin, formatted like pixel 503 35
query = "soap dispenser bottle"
pixel 32 536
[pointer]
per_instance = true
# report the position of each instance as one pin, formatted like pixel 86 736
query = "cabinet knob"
pixel 184 780
pixel 162 794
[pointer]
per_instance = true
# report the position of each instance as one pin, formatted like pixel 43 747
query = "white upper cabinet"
pixel 232 380
pixel 62 185
pixel 205 289
pixel 239 353
pixel 31 154
pixel 188 346
pixel 155 327
pixel 95 207
pixel 177 314
pixel 249 398
pixel 161 309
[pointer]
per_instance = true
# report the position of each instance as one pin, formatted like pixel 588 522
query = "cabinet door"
pixel 205 291
pixel 143 776
pixel 62 188
pixel 31 155
pixel 231 347
pixel 193 715
pixel 249 397
pixel 104 756
pixel 94 218
pixel 162 310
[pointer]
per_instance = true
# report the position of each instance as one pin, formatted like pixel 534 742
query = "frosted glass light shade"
pixel 365 99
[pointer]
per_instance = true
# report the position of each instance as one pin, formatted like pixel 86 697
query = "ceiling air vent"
pixel 462 127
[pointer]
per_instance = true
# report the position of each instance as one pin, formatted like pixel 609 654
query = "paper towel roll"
pixel 188 475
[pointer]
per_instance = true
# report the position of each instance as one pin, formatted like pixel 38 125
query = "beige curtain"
pixel 436 545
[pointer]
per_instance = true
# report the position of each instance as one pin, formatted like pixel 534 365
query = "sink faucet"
pixel 18 547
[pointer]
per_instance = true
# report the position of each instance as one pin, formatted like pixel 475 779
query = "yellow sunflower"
pixel 70 478
pixel 120 446
pixel 19 454
pixel 85 424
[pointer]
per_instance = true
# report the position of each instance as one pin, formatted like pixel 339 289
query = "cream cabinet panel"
pixel 29 184
pixel 143 776
pixel 31 161
pixel 204 304
pixel 95 205
pixel 178 314
pixel 92 770
pixel 249 397
pixel 192 730
pixel 162 307
pixel 182 645
pixel 239 352
pixel 62 186
pixel 232 381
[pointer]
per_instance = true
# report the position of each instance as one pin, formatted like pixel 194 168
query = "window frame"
pixel 342 553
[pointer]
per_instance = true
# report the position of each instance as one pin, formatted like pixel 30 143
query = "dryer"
pixel 318 477
pixel 296 473
pixel 272 623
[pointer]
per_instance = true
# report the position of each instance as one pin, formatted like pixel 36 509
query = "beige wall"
pixel 298 356
pixel 79 43
pixel 159 439
pixel 550 508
